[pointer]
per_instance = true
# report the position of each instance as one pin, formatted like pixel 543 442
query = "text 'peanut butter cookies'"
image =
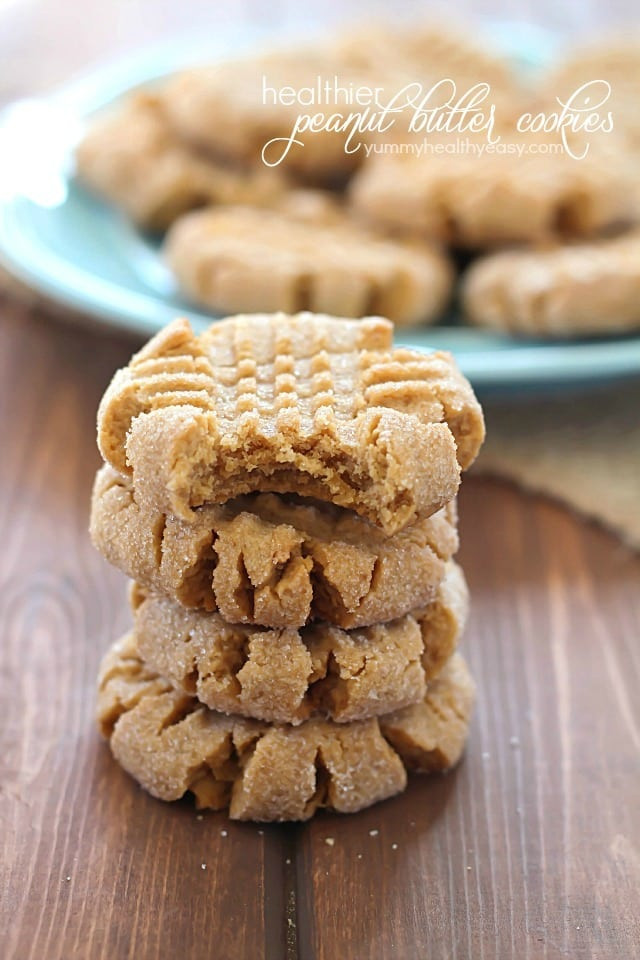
pixel 306 404
pixel 273 560
pixel 134 159
pixel 171 744
pixel 240 259
pixel 565 291
pixel 287 675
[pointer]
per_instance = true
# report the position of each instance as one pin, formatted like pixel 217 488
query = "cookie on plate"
pixel 565 291
pixel 241 259
pixel 306 404
pixel 491 200
pixel 172 744
pixel 611 60
pixel 273 560
pixel 133 158
pixel 247 111
pixel 287 675
pixel 429 52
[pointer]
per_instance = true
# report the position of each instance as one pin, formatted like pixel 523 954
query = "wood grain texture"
pixel 531 849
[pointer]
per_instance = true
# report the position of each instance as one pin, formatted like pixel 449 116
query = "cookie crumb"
pixel 329 841
pixel 373 833
pixel 223 833
pixel 359 856
pixel 67 879
pixel 203 866
pixel 394 846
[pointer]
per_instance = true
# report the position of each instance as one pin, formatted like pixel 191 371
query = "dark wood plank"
pixel 92 867
pixel 529 849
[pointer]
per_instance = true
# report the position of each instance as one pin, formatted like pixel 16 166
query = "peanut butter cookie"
pixel 287 675
pixel 237 259
pixel 171 744
pixel 237 109
pixel 133 158
pixel 306 404
pixel 562 292
pixel 273 560
pixel 495 199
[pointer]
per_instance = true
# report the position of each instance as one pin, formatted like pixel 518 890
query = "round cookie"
pixel 496 199
pixel 613 60
pixel 233 109
pixel 241 259
pixel 133 158
pixel 307 404
pixel 562 292
pixel 428 52
pixel 288 675
pixel 172 744
pixel 273 560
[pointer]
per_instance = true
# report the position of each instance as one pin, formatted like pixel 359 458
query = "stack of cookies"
pixel 281 490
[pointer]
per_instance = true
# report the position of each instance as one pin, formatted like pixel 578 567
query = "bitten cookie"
pixel 563 292
pixel 312 405
pixel 273 560
pixel 288 675
pixel 496 199
pixel 241 259
pixel 133 158
pixel 171 744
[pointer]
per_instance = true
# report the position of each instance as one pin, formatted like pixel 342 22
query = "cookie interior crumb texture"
pixel 318 406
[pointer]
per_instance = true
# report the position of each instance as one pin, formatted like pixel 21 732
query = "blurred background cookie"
pixel 133 158
pixel 240 259
pixel 479 200
pixel 566 291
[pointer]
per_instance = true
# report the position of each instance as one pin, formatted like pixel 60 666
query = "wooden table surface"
pixel 530 849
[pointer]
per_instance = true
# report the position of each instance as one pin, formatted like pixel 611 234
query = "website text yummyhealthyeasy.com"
pixel 439 109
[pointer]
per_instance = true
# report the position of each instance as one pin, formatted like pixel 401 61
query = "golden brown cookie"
pixel 171 744
pixel 133 158
pixel 313 405
pixel 611 60
pixel 273 560
pixel 428 52
pixel 563 292
pixel 496 199
pixel 241 259
pixel 235 109
pixel 288 675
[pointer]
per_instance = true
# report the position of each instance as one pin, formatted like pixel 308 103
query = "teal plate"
pixel 67 245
